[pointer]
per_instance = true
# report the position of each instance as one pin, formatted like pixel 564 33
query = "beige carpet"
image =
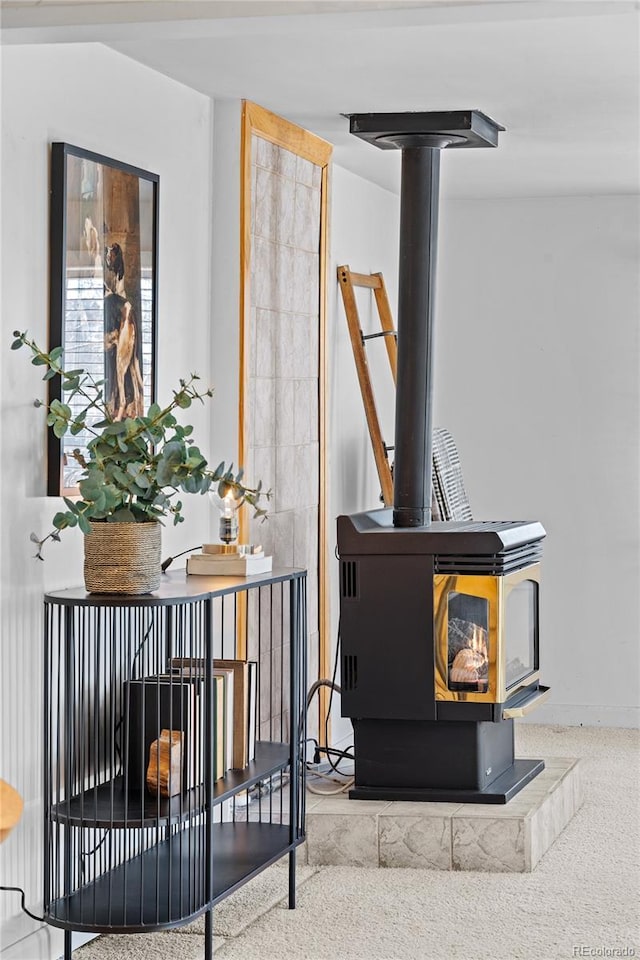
pixel 583 894
pixel 256 898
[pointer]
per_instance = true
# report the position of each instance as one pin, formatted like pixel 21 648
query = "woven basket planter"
pixel 122 558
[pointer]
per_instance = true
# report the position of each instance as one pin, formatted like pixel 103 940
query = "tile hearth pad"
pixel 446 836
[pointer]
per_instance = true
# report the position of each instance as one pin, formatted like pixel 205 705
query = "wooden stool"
pixel 10 809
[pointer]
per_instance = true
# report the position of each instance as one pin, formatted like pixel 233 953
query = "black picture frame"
pixel 103 288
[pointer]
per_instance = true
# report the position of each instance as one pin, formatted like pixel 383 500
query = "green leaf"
pixel 59 408
pixel 90 488
pixel 61 521
pixel 171 456
pixel 39 361
pixel 122 516
pixel 114 429
pixel 60 428
pixel 84 524
pixel 55 354
pixel 16 344
pixel 118 475
pixel 190 485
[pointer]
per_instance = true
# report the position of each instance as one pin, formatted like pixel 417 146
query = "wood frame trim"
pixel 262 122
pixel 285 134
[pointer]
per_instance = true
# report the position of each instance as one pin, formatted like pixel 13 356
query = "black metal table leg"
pixel 67 944
pixel 292 880
pixel 208 935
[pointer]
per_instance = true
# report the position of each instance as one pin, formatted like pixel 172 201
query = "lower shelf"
pixel 164 886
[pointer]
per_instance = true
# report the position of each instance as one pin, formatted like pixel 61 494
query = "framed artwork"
pixel 103 289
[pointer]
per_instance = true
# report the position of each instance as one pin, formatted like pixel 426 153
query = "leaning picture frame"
pixel 103 290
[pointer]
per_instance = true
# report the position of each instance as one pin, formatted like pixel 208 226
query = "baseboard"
pixel 584 715
pixel 22 939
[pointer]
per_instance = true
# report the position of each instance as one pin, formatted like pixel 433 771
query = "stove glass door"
pixel 467 643
pixel 521 631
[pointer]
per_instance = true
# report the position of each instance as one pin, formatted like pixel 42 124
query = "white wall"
pixel 90 96
pixel 364 235
pixel 226 276
pixel 537 378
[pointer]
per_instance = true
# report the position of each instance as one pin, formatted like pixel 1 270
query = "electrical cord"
pixel 333 686
pixel 329 751
pixel 167 563
pixel 328 793
pixel 22 902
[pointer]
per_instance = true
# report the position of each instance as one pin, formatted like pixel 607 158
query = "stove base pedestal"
pixel 501 790
pixel 441 760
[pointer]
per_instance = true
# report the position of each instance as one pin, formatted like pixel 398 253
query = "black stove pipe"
pixel 416 302
pixel 421 137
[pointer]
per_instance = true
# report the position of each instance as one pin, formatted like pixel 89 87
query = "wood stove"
pixel 438 621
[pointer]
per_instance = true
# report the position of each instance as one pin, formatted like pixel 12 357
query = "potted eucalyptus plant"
pixel 133 471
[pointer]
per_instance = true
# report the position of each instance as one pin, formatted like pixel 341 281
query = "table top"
pixel 176 587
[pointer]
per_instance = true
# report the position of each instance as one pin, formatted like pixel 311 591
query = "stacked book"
pixel 236 688
pixel 175 702
pixel 218 559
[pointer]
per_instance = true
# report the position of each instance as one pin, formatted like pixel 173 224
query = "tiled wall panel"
pixel 283 364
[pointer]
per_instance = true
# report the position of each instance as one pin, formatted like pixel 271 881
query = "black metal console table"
pixel 117 859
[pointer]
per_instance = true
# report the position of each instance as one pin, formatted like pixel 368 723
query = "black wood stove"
pixel 438 621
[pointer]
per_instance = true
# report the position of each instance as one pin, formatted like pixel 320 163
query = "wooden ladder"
pixel 373 281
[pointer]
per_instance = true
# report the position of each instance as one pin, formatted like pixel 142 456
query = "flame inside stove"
pixel 479 641
pixel 468 655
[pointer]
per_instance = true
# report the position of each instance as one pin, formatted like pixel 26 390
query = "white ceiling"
pixel 563 76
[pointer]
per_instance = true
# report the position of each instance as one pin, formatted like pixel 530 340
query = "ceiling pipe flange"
pixel 470 128
pixel 435 141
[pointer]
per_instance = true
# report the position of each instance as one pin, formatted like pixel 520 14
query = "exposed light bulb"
pixel 228 507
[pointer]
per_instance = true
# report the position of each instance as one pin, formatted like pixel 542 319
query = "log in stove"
pixel 438 621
